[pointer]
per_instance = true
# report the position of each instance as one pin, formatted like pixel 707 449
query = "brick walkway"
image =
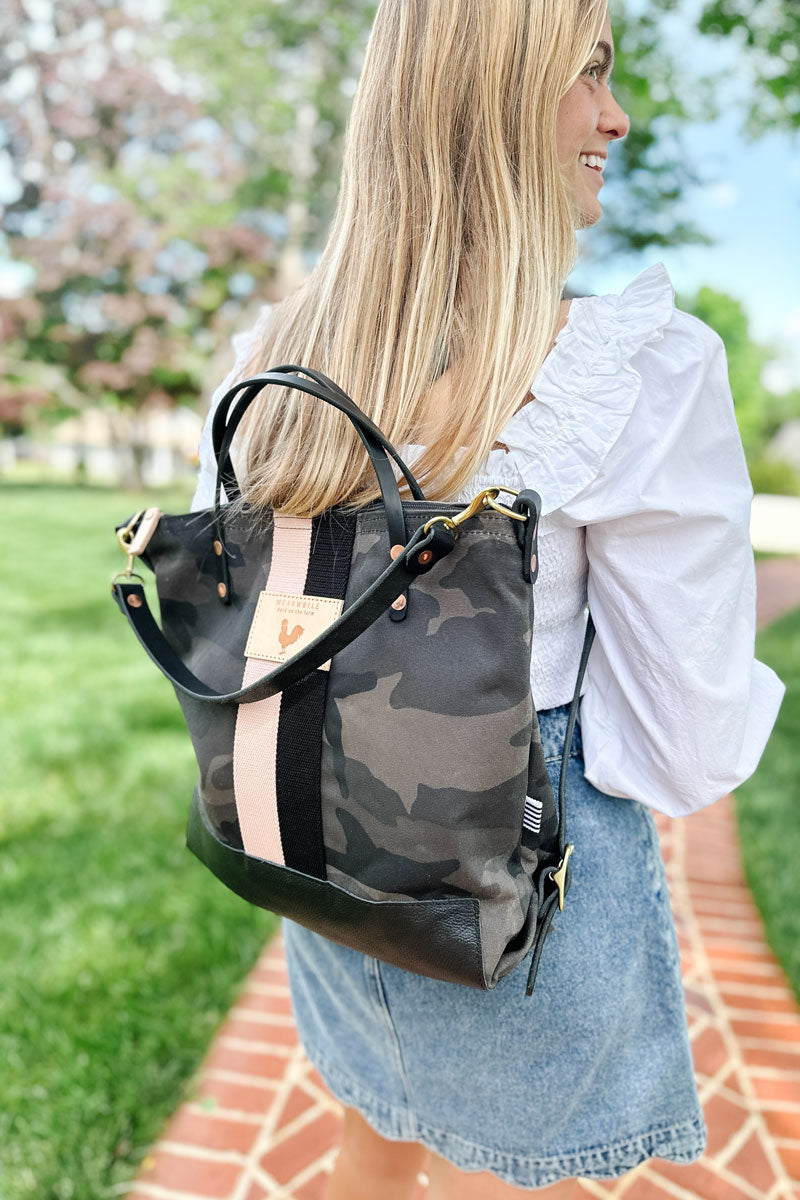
pixel 262 1126
pixel 778 587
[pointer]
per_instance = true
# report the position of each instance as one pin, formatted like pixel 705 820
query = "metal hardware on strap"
pixel 124 538
pixel 134 539
pixel 487 498
pixel 559 876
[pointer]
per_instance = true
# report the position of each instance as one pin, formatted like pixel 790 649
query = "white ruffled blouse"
pixel 632 443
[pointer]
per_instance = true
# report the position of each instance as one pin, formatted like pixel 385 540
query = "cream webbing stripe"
pixel 255 745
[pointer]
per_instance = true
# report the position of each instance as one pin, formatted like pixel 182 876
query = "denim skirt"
pixel 586 1078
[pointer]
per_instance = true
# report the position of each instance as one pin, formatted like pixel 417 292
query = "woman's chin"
pixel 589 217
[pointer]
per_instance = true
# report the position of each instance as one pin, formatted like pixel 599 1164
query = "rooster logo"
pixel 285 638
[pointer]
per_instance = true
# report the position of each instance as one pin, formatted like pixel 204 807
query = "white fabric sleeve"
pixel 242 344
pixel 677 711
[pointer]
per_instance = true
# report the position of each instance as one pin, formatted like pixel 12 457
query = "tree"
pixel 123 212
pixel 759 412
pixel 651 172
pixel 770 32
pixel 279 79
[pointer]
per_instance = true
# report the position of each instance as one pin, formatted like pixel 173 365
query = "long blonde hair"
pixel 453 237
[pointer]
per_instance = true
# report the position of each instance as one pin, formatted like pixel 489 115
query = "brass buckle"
pixel 559 876
pixel 125 537
pixel 484 499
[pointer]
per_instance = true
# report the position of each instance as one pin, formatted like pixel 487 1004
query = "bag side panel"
pixel 427 733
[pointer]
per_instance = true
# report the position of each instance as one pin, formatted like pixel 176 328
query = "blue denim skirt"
pixel 586 1078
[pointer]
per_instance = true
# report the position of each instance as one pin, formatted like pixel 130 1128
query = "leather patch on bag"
pixel 147 527
pixel 284 624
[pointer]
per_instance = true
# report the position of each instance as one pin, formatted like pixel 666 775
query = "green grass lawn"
pixel 120 953
pixel 768 806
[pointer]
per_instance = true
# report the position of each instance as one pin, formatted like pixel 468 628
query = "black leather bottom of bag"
pixel 437 938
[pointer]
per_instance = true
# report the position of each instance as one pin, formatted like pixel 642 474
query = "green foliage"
pixel 774 477
pixel 655 167
pixel 759 412
pixel 768 807
pixel 771 33
pixel 121 954
pixel 279 80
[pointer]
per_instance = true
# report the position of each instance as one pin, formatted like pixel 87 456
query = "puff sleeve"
pixel 641 448
pixel 677 711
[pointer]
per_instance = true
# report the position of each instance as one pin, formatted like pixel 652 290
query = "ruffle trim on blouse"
pixel 584 393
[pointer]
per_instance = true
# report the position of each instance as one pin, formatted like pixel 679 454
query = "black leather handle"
pixel 234 405
pixel 362 613
pixel 370 434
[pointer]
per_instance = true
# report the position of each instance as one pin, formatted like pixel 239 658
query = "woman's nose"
pixel 613 120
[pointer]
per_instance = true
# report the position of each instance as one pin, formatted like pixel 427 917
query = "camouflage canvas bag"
pixel 357 690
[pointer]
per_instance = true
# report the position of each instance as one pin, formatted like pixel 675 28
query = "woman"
pixel 475 149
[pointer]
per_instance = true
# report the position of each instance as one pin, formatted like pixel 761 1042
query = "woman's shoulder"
pixel 610 358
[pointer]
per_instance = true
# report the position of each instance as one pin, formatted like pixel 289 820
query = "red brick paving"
pixel 778 587
pixel 262 1126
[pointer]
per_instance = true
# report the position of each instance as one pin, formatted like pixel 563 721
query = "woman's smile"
pixel 589 113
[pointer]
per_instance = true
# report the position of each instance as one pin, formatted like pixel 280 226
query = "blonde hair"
pixel 453 237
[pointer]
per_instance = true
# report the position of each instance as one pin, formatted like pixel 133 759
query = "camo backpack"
pixel 357 690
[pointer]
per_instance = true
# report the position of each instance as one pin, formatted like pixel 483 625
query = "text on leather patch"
pixel 284 624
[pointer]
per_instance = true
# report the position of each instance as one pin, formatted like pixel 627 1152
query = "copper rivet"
pixel 222 591
pixel 218 548
pixel 135 601
pixel 395 550
pixel 533 562
pixel 425 557
pixel 399 603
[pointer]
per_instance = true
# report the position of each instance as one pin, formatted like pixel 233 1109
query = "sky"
pixel 751 207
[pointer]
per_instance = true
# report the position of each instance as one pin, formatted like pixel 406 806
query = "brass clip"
pixel 501 508
pixel 484 499
pixel 448 521
pixel 125 537
pixel 559 877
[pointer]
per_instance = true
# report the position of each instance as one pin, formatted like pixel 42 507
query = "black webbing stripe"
pixel 297 771
pixel 299 752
